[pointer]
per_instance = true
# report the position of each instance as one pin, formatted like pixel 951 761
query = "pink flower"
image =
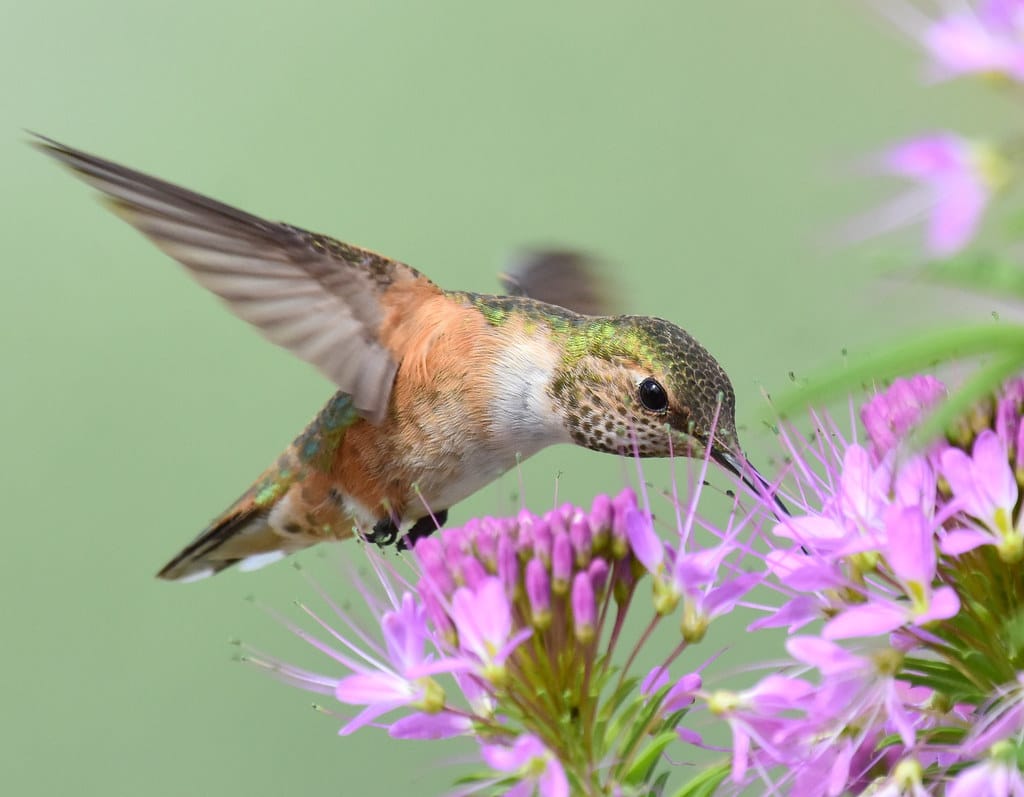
pixel 534 765
pixel 910 553
pixel 679 696
pixel 999 720
pixel 402 681
pixel 692 577
pixel 853 686
pixel 988 40
pixel 985 487
pixel 955 178
pixel 759 715
pixel 994 777
pixel 483 621
pixel 889 415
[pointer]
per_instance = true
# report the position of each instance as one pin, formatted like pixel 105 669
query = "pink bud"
pixel 433 565
pixel 598 572
pixel 579 533
pixel 486 544
pixel 584 608
pixel 542 540
pixel 561 563
pixel 456 542
pixel 538 591
pixel 473 573
pixel 600 512
pixel 508 563
pixel 682 693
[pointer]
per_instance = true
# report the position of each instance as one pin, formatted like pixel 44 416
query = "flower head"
pixel 532 762
pixel 899 568
pixel 905 677
pixel 986 39
pixel 509 634
pixel 954 179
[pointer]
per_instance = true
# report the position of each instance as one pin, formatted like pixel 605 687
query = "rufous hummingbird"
pixel 439 392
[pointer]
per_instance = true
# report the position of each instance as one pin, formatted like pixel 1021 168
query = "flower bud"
pixel 584 608
pixel 579 534
pixel 561 563
pixel 598 572
pixel 542 540
pixel 600 521
pixel 508 563
pixel 430 554
pixel 538 592
pixel 473 572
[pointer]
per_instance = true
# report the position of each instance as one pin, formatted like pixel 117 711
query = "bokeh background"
pixel 706 150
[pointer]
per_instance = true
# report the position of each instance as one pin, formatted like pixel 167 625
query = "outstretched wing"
pixel 570 279
pixel 315 296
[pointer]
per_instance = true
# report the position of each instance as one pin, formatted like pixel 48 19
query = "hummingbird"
pixel 439 392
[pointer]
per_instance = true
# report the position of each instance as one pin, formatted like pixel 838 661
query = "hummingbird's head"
pixel 637 384
pixel 633 383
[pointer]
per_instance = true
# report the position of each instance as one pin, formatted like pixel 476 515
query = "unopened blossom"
pixel 890 415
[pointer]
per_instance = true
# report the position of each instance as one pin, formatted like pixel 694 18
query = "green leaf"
pixel 658 785
pixel 980 273
pixel 645 710
pixel 922 352
pixel 706 783
pixel 605 730
pixel 644 762
pixel 939 676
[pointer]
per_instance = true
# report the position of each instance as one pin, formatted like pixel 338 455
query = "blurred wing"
pixel 572 280
pixel 315 296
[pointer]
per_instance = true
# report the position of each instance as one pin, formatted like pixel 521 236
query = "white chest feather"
pixel 519 420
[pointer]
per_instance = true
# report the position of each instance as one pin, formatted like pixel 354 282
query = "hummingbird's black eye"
pixel 653 395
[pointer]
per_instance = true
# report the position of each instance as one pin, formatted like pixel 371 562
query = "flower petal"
pixel 961 541
pixel 443 725
pixel 645 542
pixel 376 687
pixel 867 619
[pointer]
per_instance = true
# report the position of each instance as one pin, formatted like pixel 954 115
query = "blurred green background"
pixel 705 149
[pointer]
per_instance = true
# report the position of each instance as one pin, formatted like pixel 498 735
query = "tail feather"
pixel 293 504
pixel 238 536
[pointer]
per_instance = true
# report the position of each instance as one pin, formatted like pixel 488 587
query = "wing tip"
pixel 49 146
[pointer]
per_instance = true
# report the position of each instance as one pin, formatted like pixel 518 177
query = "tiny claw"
pixel 384 533
pixel 423 527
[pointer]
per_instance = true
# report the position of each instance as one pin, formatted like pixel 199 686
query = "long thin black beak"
pixel 750 477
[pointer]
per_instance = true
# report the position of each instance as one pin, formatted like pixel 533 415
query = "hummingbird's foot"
pixel 384 533
pixel 423 527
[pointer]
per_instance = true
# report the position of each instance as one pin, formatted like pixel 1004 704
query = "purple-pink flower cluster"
pixel 899 573
pixel 508 633
pixel 897 577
